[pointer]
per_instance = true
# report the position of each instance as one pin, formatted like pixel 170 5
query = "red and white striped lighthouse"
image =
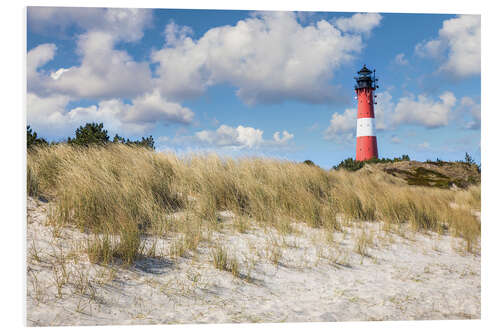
pixel 366 140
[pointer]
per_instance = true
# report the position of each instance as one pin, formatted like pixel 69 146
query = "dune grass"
pixel 118 193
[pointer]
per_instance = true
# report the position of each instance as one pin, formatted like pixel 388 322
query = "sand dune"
pixel 295 278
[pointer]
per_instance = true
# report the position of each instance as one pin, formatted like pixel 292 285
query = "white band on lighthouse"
pixel 365 127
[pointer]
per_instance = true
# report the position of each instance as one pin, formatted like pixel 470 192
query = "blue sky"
pixel 244 83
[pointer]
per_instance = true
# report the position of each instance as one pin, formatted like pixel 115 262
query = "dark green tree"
pixel 468 159
pixel 32 138
pixel 118 139
pixel 148 142
pixel 350 164
pixel 90 134
pixel 309 162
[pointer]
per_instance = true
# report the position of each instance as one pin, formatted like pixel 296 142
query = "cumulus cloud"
pixel 152 108
pixel 400 59
pixel 176 34
pixel 421 110
pixel 458 46
pixel 342 126
pixel 469 107
pixel 36 58
pixel 384 111
pixel 241 137
pixel 432 49
pixel 49 113
pixel 282 138
pixel 125 24
pixel 104 72
pixel 424 110
pixel 359 23
pixel 226 136
pixel 269 57
pixel 39 56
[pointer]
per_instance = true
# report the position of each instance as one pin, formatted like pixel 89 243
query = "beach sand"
pixel 295 278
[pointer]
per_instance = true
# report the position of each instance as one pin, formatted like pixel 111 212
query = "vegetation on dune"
pixel 309 162
pixel 94 134
pixel 118 192
pixel 431 173
pixel 351 164
pixel 91 134
pixel 32 138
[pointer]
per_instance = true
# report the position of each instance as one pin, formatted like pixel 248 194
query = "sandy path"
pixel 424 277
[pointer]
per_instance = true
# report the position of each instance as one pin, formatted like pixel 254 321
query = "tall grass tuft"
pixel 124 192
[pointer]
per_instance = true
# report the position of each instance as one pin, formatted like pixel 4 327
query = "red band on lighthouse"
pixel 366 140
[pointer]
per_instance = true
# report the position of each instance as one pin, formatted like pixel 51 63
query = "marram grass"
pixel 120 192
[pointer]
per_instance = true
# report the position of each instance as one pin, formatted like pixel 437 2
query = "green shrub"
pixel 351 164
pixel 147 142
pixel 32 138
pixel 90 134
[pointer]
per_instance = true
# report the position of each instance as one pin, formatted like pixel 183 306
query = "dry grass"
pixel 119 193
pixel 222 261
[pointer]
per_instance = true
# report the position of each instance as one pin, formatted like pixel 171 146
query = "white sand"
pixel 424 277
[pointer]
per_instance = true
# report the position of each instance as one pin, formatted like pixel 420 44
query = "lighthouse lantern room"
pixel 366 141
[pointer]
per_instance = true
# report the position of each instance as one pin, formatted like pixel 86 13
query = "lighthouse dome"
pixel 365 79
pixel 364 71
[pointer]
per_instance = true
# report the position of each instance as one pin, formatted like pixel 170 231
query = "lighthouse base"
pixel 366 148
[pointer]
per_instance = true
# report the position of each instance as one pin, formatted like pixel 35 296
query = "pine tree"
pixel 90 134
pixel 32 138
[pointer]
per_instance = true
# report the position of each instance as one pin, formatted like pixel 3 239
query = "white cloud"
pixel 176 34
pixel 269 58
pixel 226 136
pixel 458 46
pixel 360 23
pixel 433 49
pixel 36 58
pixel 125 24
pixel 400 59
pixel 241 137
pixel 421 110
pixel 103 73
pixel 57 74
pixel 282 138
pixel 141 116
pixel 39 56
pixel 47 114
pixel 151 108
pixel 384 111
pixel 59 19
pixel 50 114
pixel 469 107
pixel 342 126
pixel 425 111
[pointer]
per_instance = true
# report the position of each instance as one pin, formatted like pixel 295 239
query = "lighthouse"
pixel 366 141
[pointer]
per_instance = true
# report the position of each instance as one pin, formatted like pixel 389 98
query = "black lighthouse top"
pixel 365 79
